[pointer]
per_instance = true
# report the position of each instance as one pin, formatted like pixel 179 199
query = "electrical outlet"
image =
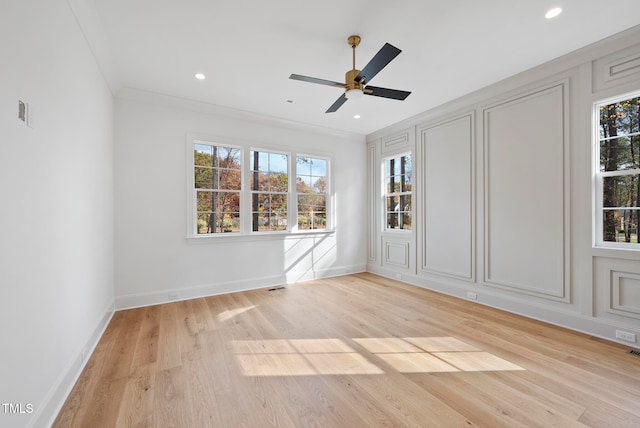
pixel 173 296
pixel 471 295
pixel 399 276
pixel 626 336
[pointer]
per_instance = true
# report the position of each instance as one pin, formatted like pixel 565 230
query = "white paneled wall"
pixel 447 232
pixel 503 196
pixel 524 192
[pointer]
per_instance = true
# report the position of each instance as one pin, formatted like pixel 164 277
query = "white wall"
pixel 153 256
pixel 56 215
pixel 503 196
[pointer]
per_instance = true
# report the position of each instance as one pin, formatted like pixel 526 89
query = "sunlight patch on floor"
pixel 308 357
pixel 300 357
pixel 227 315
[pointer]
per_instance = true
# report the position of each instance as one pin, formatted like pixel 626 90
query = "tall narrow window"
pixel 619 170
pixel 311 188
pixel 269 190
pixel 217 181
pixel 398 179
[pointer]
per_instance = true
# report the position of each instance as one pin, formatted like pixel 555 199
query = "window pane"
pixel 303 184
pixel 319 167
pixel 312 212
pixel 319 185
pixel 620 191
pixel 229 179
pixel 278 163
pixel 620 225
pixel 204 178
pixel 205 201
pixel 227 157
pixel 303 165
pixel 203 155
pixel 620 153
pixel 267 221
pixel 222 222
pixel 279 182
pixel 618 119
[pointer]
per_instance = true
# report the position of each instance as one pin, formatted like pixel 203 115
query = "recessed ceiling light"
pixel 200 76
pixel 356 116
pixel 552 13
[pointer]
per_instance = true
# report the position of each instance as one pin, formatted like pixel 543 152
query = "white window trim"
pixel 597 177
pixel 246 234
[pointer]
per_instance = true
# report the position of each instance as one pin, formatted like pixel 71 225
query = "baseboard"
pixel 571 320
pixel 129 301
pixel 53 401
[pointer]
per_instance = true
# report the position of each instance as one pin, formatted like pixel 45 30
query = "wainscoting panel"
pixel 395 253
pixel 447 200
pixel 617 288
pixel 524 193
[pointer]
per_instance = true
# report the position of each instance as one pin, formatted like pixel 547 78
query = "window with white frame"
pixel 311 188
pixel 618 171
pixel 269 190
pixel 217 181
pixel 397 198
pixel 240 191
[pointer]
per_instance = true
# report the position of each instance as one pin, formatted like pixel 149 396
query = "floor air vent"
pixel 634 352
pixel 276 288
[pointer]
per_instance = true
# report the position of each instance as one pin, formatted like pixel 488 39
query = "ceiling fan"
pixel 356 81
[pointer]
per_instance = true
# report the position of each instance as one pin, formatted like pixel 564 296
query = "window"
pixel 269 190
pixel 311 188
pixel 238 190
pixel 398 177
pixel 217 180
pixel 618 170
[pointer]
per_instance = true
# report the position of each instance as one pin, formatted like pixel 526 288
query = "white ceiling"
pixel 248 48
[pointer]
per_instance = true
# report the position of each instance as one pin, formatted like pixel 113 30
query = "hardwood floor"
pixel 351 351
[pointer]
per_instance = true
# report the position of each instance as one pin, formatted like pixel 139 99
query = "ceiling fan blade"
pixel 378 62
pixel 335 106
pixel 316 80
pixel 386 93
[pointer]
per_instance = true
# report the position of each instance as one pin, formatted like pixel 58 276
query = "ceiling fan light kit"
pixel 356 81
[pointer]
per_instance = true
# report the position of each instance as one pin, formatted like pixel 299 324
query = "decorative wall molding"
pixel 526 179
pixel 395 253
pixel 372 185
pixel 617 69
pixel 447 162
pixel 624 293
pixel 396 143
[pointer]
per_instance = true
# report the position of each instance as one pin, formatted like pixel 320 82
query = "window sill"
pixel 621 251
pixel 261 236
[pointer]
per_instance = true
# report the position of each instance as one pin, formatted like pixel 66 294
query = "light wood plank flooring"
pixel 351 351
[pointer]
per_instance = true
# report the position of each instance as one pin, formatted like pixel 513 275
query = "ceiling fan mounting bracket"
pixel 353 41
